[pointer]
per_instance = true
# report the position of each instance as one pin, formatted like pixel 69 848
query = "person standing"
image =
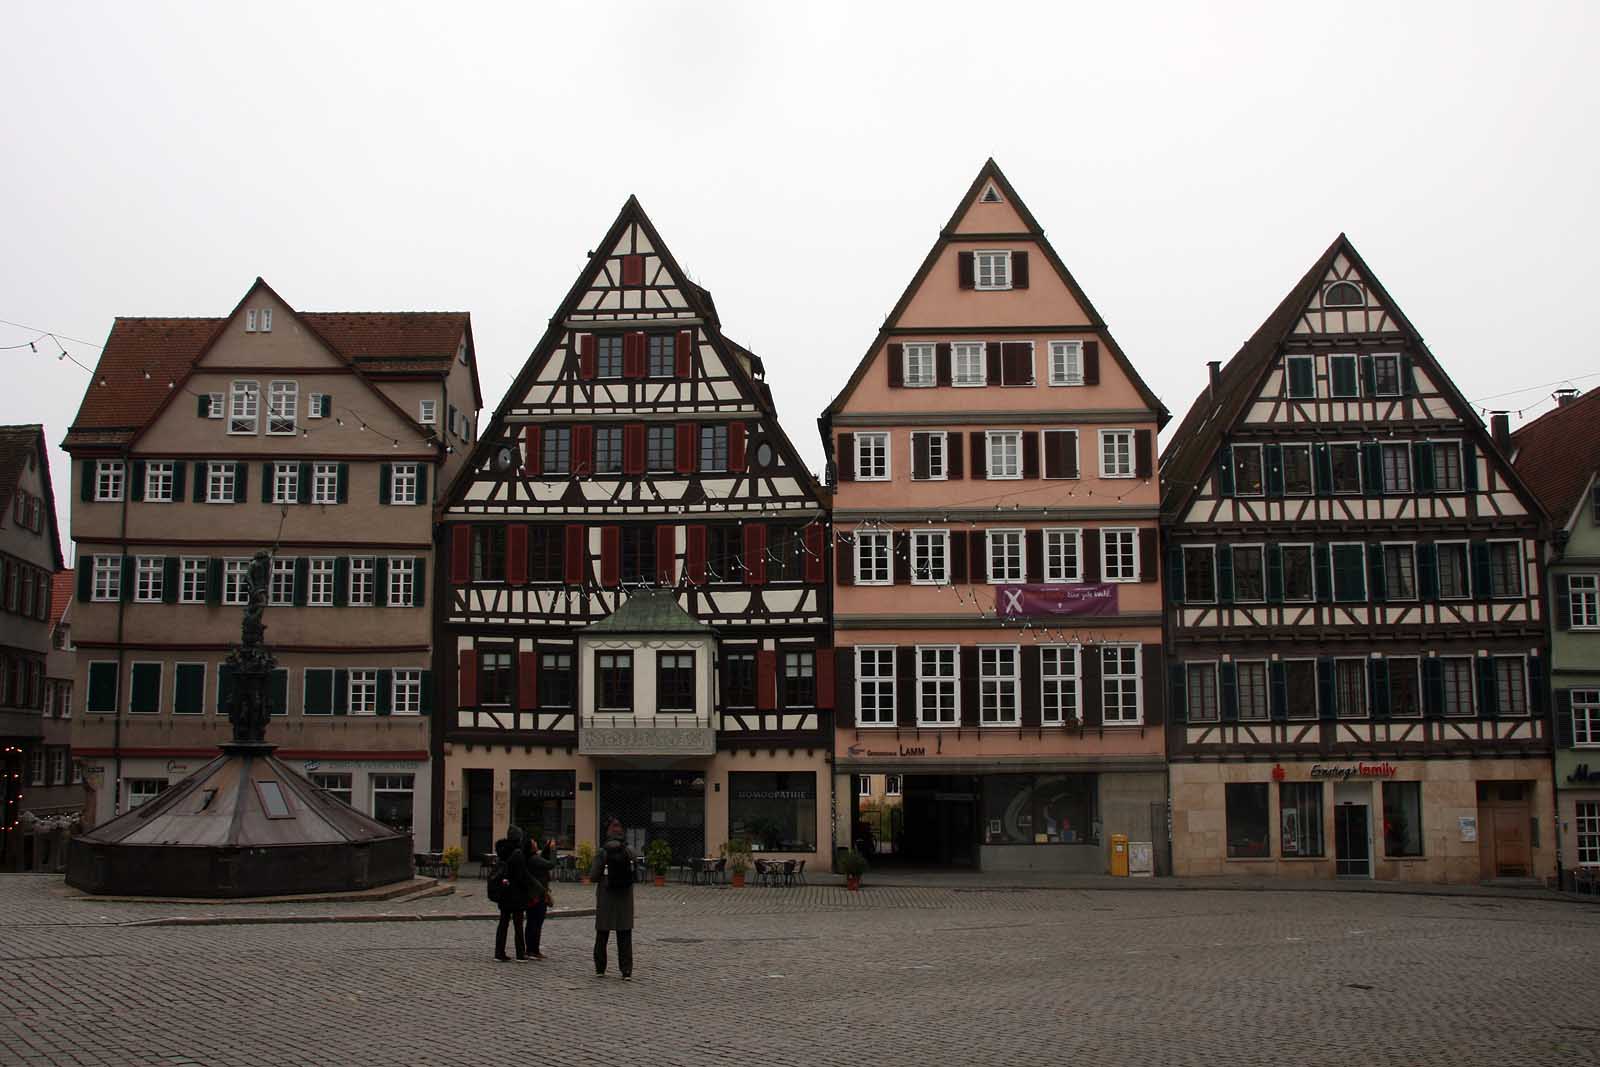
pixel 539 867
pixel 612 875
pixel 514 889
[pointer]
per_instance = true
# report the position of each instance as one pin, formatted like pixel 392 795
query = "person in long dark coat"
pixel 613 905
pixel 513 893
pixel 539 867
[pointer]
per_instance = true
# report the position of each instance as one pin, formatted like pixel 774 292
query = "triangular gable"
pixel 16 444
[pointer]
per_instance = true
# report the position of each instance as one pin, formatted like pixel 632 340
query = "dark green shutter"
pixel 1175 574
pixel 125 579
pixel 86 485
pixel 241 482
pixel 1480 570
pixel 1563 613
pixel 341 581
pixel 1178 692
pixel 1225 483
pixel 1224 574
pixel 266 482
pixel 102 694
pixel 1273 455
pixel 1408 375
pixel 1371 468
pixel 278 692
pixel 1536 699
pixel 144 694
pixel 1342 370
pixel 419 582
pixel 1564 718
pixel 189 689
pixel 1469 466
pixel 1428 571
pixel 1322 557
pixel 302 580
pixel 179 469
pixel 1369 375
pixel 136 481
pixel 343 487
pixel 341 692
pixel 427 692
pixel 380 582
pixel 319 691
pixel 1378 687
pixel 1325 690
pixel 203 409
pixel 422 484
pixel 1228 677
pixel 199 494
pixel 1324 468
pixel 1377 579
pixel 1433 687
pixel 85 579
pixel 385 692
pixel 1274 554
pixel 384 474
pixel 1422 467
pixel 1488 699
pixel 1278 690
pixel 303 484
pixel 169 580
pixel 214 582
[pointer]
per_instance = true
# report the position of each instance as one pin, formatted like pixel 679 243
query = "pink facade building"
pixel 998 600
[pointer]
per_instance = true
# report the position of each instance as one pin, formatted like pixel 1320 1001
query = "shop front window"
pixel 392 800
pixel 544 805
pixel 1300 819
pixel 1045 809
pixel 775 812
pixel 1248 819
pixel 1402 818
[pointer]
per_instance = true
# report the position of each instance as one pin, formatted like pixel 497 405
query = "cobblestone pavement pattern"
pixel 821 976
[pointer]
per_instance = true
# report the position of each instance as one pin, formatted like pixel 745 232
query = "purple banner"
pixel 1081 598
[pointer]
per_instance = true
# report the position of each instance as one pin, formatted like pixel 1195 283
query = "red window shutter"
pixel 993 363
pixel 586 356
pixel 941 363
pixel 1019 270
pixel 531 439
pixel 755 553
pixel 695 554
pixel 633 354
pixel 517 554
pixel 736 432
pixel 1142 454
pixel 815 538
pixel 844 559
pixel 897 366
pixel 824 663
pixel 966 272
pixel 683 354
pixel 527 680
pixel 610 556
pixel 1091 363
pixel 633 269
pixel 633 448
pixel 845 465
pixel 582 450
pixel 461 554
pixel 1149 570
pixel 766 679
pixel 684 459
pixel 1030 453
pixel 980 453
pixel 577 551
pixel 467 680
pixel 667 555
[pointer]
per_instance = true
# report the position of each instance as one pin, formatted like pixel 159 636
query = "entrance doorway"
pixel 1352 841
pixel 1505 825
pixel 936 824
pixel 656 804
pixel 477 814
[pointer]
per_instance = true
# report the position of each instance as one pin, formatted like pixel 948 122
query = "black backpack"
pixel 497 880
pixel 619 871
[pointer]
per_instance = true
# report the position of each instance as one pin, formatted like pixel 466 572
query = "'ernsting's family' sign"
pixel 1344 771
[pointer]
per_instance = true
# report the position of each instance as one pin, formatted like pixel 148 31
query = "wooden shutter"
pixel 667 555
pixel 980 455
pixel 1091 363
pixel 1089 555
pixel 823 661
pixel 1469 466
pixel 684 457
pixel 586 356
pixel 1377 580
pixel 1149 571
pixel 966 270
pixel 1019 270
pixel 905 686
pixel 1272 460
pixel 958 556
pixel 941 363
pixel 467 679
pixel 633 269
pixel 1152 691
pixel 460 554
pixel 633 354
pixel 575 556
pixel 531 459
pixel 1033 545
pixel 897 366
pixel 844 559
pixel 1032 694
pixel 1227 688
pixel 1016 363
pixel 813 540
pixel 844 684
pixel 766 679
pixel 919 457
pixel 1224 567
pixel 583 450
pixel 1175 575
pixel 610 556
pixel 900 556
pixel 136 490
pixel 86 579
pixel 845 458
pixel 527 680
pixel 953 456
pixel 1093 701
pixel 1481 570
pixel 517 553
pixel 683 354
pixel 633 448
pixel 179 469
pixel 1563 613
pixel 1143 454
pixel 970 699
pixel 1030 454
pixel 755 553
pixel 977 557
pixel 1563 718
pixel 241 482
pixel 1326 695
pixel 695 554
pixel 993 362
pixel 736 446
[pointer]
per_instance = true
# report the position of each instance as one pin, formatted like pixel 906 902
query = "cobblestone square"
pixel 818 975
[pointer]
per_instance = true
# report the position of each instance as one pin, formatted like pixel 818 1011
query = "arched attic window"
pixel 1342 295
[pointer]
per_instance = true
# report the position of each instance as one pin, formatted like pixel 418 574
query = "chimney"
pixel 1216 379
pixel 1500 430
pixel 1565 397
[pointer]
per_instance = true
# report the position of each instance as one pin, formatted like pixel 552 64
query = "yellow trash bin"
pixel 1119 855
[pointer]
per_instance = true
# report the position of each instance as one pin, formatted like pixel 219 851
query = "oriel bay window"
pixel 938 679
pixel 775 811
pixel 1402 819
pixel 495 674
pixel 1058 684
pixel 799 680
pixel 1249 817
pixel 1300 819
pixel 998 696
pixel 875 686
pixel 614 679
pixel 675 683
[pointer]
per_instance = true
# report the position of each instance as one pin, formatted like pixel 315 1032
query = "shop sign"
pixel 1342 772
pixel 174 767
pixel 1078 598
pixel 1581 774
pixel 776 794
pixel 902 750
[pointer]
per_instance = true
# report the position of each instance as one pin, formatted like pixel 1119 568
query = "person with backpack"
pixel 539 867
pixel 612 875
pixel 509 888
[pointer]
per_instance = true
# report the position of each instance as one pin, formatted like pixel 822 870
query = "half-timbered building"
pixel 1357 645
pixel 636 610
pixel 998 601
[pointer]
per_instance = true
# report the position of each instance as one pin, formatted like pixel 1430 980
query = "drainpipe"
pixel 436 776
pixel 122 608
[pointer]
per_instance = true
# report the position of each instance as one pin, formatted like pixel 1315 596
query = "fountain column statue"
pixel 251 665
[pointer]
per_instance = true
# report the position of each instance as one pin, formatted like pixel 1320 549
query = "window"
pixel 1201 689
pixel 403 483
pixel 799 680
pixel 1119 554
pixel 1301 377
pixel 36 767
pixel 1585 717
pixel 1045 809
pixel 283 407
pixel 1248 478
pixel 608 356
pixel 998 696
pixel 1345 460
pixel 1004 453
pixel 1249 574
pixel 775 810
pixel 488 553
pixel 662 355
pixel 285 483
pixel 361 581
pixel 930 557
pixel 58 765
pixel 280 588
pixel 1342 295
pixel 992 270
pixel 158 479
pixel 971 363
pixel 188 688
pixel 392 800
pixel 107 577
pixel 143 790
pixel 875 687
pixel 235 581
pixel 1350 688
pixel 1447 466
pixel 324 483
pixel 608 449
pixel 1250 679
pixel 1061 555
pixel 555 681
pixel 108 476
pixel 725 555
pixel 1199 574
pixel 102 695
pixel 1587 827
pixel 1058 684
pixel 402 582
pixel 1584 592
pixel 219 483
pixel 892 785
pixel 214 406
pixel 863 785
pixel 555 456
pixel 1342 376
pixel 637 546
pixel 1119 677
pixel 1402 818
pixel 1511 685
pixel 428 412
pixel 714 448
pixel 1400 572
pixel 1300 688
pixel 615 671
pixel 1005 556
pixel 918 365
pixel 1300 818
pixel 872 558
pixel 929 456
pixel 1349 573
pixel 675 682
pixel 244 406
pixel 1066 362
pixel 739 679
pixel 1248 814
pixel 1116 453
pixel 319 593
pixel 192 574
pixel 337 786
pixel 661 451
pixel 872 457
pixel 495 675
pixel 1386 375
pixel 148 573
pixel 938 678
pixel 546 553
pixel 1453 581
pixel 1297 470
pixel 1396 468
pixel 1456 672
pixel 1405 687
pixel 1505 568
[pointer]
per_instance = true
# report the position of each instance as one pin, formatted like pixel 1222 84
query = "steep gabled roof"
pixel 1558 454
pixel 649 611
pixel 16 444
pixel 991 173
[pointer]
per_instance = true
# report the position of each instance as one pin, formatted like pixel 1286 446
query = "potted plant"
pixel 452 858
pixel 658 857
pixel 585 860
pixel 852 865
pixel 737 853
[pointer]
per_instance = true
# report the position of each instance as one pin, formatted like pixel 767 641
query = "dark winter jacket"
pixel 539 869
pixel 613 908
pixel 519 885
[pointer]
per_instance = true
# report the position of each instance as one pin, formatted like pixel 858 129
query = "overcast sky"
pixel 1188 163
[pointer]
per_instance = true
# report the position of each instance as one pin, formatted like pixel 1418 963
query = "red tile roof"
pixel 61 593
pixel 1557 454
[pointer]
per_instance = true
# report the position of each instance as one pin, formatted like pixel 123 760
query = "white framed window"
pixel 142 791
pixel 403 483
pixel 244 407
pixel 1396 467
pixel 992 270
pixel 1511 685
pixel 107 578
pixel 1062 552
pixel 1586 828
pixel 280 588
pixel 402 582
pixel 406 695
pixel 863 785
pixel 875 685
pixel 1447 466
pixel 1251 680
pixel 938 685
pixel 1584 591
pixel 1004 453
pixel 1058 683
pixel 1120 684
pixel 872 457
pixel 1458 696
pixel 999 685
pixel 394 800
pixel 148 572
pixel 363 692
pixel 108 479
pixel 215 406
pixel 285 483
pixel 36 767
pixel 1119 553
pixel 1586 717
pixel 970 363
pixel 1200 691
pixel 872 558
pixel 918 366
pixel 930 456
pixel 324 483
pixel 158 477
pixel 1006 565
pixel 1066 362
pixel 892 785
pixel 283 407
pixel 192 574
pixel 319 588
pixel 1386 374
pixel 1505 568
pixel 58 765
pixel 428 412
pixel 361 581
pixel 930 557
pixel 317 405
pixel 1116 453
pixel 1350 688
pixel 250 320
pixel 235 581
pixel 219 483
pixel 266 320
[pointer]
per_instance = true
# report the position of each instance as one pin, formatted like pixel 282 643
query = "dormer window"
pixel 1343 295
pixel 993 269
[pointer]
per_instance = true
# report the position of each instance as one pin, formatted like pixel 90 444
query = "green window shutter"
pixel 384 474
pixel 203 409
pixel 1274 554
pixel 1302 378
pixel 1536 691
pixel 1480 569
pixel 341 581
pixel 86 484
pixel 427 692
pixel 169 580
pixel 1278 690
pixel 224 688
pixel 1225 484
pixel 1274 463
pixel 303 484
pixel 1422 467
pixel 1371 468
pixel 1324 469
pixel 1178 692
pixel 1224 574
pixel 319 691
pixel 126 579
pixel 343 483
pixel 1322 559
pixel 189 689
pixel 1433 687
pixel 178 471
pixel 1563 703
pixel 1344 376
pixel 1378 688
pixel 214 582
pixel 327 405
pixel 385 692
pixel 419 581
pixel 85 579
pixel 1428 572
pixel 102 695
pixel 241 482
pixel 1369 376
pixel 199 494
pixel 1488 699
pixel 1469 466
pixel 1228 680
pixel 1325 695
pixel 1377 581
pixel 145 690
pixel 1408 375
pixel 422 483
pixel 266 483
pixel 380 582
pixel 302 580
pixel 136 482
pixel 278 692
pixel 341 692
pixel 1175 574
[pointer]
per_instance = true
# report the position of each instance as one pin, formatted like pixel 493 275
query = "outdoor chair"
pixel 800 873
pixel 696 868
pixel 788 872
pixel 720 869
